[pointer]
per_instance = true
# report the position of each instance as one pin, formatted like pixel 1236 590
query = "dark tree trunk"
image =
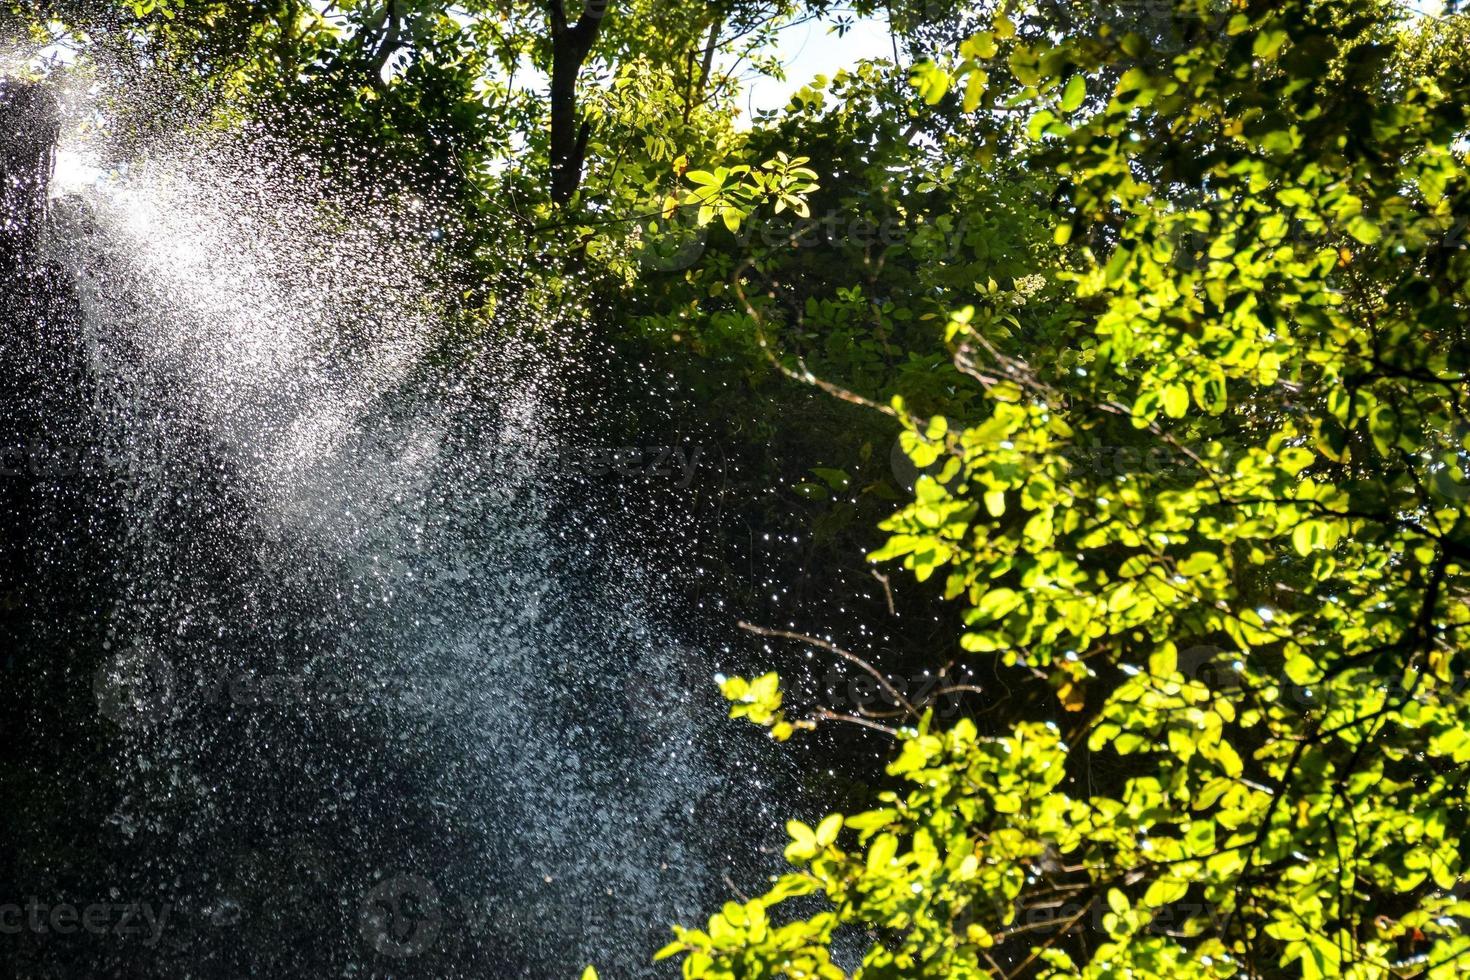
pixel 51 503
pixel 43 376
pixel 37 314
pixel 571 43
pixel 30 124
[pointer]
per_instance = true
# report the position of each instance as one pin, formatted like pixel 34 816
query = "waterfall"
pixel 351 699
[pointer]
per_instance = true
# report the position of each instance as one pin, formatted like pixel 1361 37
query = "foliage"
pixel 1257 618
pixel 1170 305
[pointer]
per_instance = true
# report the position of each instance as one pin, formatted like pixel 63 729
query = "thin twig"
pixel 822 714
pixel 876 674
pixel 887 590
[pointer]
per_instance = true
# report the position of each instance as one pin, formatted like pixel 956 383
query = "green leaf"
pixel 1117 901
pixel 828 828
pixel 837 479
pixel 1176 400
pixel 975 85
pixel 932 81
pixel 1198 563
pixel 1163 891
pixel 1164 661
pixel 1074 93
pixel 1364 230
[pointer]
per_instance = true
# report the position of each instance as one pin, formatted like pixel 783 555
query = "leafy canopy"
pixel 1221 513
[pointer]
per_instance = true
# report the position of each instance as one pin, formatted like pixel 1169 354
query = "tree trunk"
pixel 570 46
pixel 30 124
pixel 44 384
pixel 40 348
